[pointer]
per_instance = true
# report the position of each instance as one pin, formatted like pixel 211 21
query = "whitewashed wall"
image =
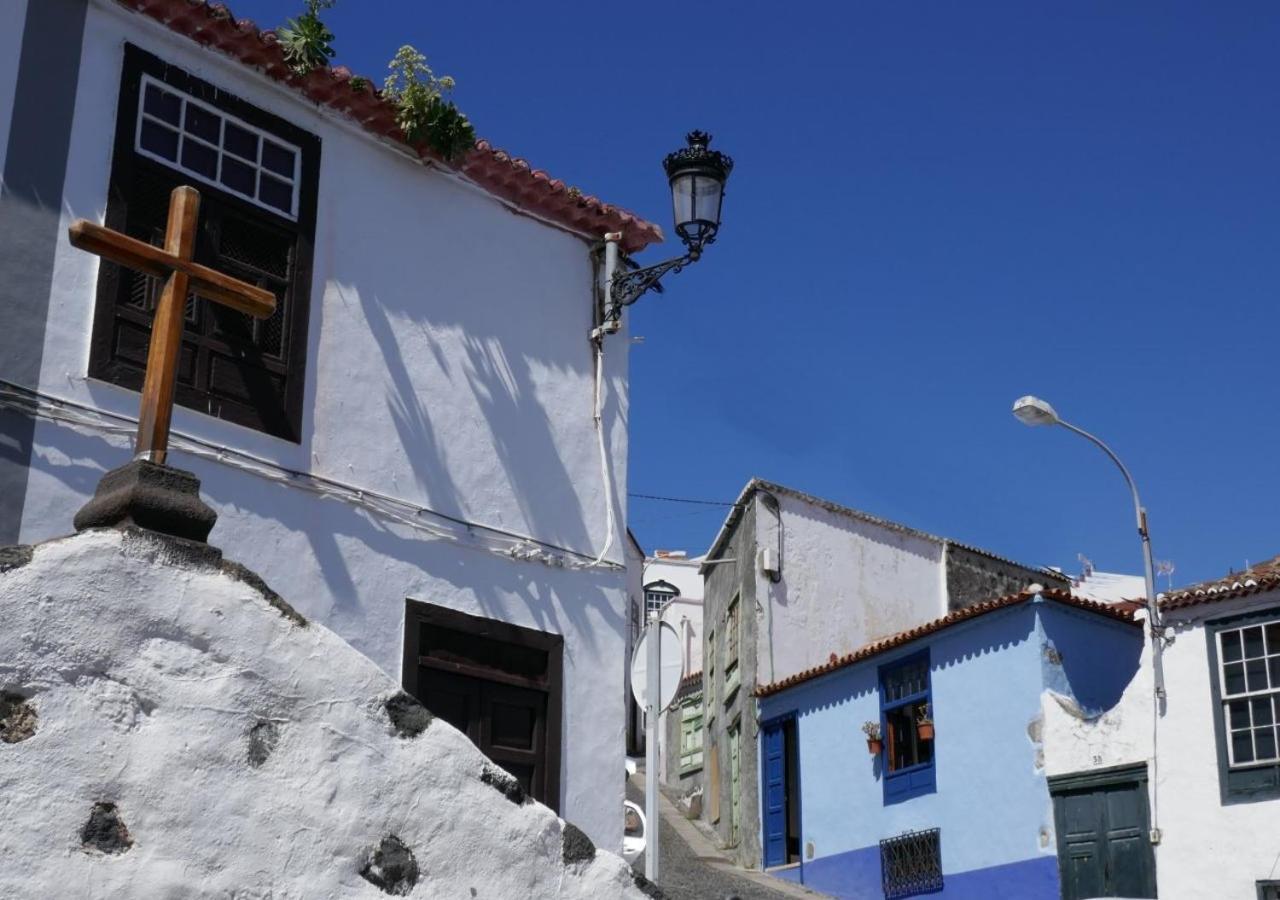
pixel 155 670
pixel 684 614
pixel 1206 849
pixel 844 580
pixel 448 365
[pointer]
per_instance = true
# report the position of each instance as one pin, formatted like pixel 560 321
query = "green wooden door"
pixel 1103 844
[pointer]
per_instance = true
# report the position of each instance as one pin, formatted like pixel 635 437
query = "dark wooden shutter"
pixel 247 371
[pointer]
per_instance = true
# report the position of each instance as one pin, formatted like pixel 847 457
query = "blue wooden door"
pixel 774 769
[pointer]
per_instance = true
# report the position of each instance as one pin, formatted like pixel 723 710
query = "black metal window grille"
pixel 911 863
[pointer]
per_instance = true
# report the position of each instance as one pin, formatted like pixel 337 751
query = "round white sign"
pixel 670 666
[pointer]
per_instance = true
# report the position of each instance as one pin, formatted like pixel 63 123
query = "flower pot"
pixel 924 730
pixel 874 746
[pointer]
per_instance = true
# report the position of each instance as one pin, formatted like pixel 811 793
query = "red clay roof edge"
pixel 961 615
pixel 499 173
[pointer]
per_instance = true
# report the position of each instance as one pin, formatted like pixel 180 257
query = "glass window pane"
pixel 1273 637
pixel 277 159
pixel 1242 746
pixel 159 140
pixel 682 198
pixel 238 176
pixel 1274 664
pixel 707 192
pixel 162 104
pixel 274 192
pixel 1253 642
pixel 1235 679
pixel 1262 711
pixel 1265 741
pixel 241 142
pixel 1256 671
pixel 1230 646
pixel 202 123
pixel 1238 714
pixel 199 158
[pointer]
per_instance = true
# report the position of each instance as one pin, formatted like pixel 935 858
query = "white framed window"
pixel 1249 675
pixel 655 598
pixel 217 148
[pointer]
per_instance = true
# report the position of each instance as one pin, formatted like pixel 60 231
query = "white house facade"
pixel 1212 776
pixel 407 449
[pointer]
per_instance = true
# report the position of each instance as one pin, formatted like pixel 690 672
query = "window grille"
pixel 1250 679
pixel 911 863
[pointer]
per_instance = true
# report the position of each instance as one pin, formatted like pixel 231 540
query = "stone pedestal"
pixel 150 496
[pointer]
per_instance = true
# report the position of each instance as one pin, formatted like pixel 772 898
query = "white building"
pixel 1210 785
pixel 673 590
pixel 1106 587
pixel 793 581
pixel 407 448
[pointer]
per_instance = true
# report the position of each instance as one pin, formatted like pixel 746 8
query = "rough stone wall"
pixel 975 577
pixel 722 584
pixel 171 728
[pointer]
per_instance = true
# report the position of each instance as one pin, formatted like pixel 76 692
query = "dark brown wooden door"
pixel 506 722
pixel 497 683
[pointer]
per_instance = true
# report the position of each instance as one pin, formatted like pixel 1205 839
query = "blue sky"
pixel 937 207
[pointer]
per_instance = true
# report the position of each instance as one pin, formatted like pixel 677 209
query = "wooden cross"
pixel 173 262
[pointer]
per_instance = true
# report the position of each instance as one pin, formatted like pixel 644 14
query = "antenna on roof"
pixel 1086 566
pixel 1165 567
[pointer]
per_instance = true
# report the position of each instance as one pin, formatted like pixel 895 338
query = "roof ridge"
pixel 511 178
pixel 874 648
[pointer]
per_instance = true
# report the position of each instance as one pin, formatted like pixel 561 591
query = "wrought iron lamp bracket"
pixel 626 287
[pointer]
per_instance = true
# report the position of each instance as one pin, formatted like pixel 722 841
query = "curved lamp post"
pixel 697 176
pixel 1034 411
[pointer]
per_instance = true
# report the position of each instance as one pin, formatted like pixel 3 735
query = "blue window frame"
pixel 907 757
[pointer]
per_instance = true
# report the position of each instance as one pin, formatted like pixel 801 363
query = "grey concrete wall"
pixel 722 585
pixel 35 164
pixel 975 577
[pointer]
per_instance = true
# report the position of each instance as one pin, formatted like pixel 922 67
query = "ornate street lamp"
pixel 697 175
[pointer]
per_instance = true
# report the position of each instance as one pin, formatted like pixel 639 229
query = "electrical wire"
pixel 479 536
pixel 680 500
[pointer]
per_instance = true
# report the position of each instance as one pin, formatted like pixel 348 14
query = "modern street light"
pixel 697 176
pixel 1034 411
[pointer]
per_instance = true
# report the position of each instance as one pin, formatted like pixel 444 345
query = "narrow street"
pixel 701 872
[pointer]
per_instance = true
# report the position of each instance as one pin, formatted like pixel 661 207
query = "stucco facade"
pixel 816 579
pixel 1213 842
pixel 448 452
pixel 987 675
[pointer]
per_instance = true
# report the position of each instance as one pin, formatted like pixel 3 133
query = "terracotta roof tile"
pixel 961 615
pixel 1257 579
pixel 512 179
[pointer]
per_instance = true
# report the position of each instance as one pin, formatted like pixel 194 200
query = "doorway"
pixel 1104 848
pixel 497 683
pixel 780 772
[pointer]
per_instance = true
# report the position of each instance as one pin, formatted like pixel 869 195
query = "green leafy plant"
pixel 871 730
pixel 306 41
pixel 422 112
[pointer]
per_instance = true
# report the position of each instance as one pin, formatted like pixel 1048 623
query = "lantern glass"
pixel 696 199
pixel 697 176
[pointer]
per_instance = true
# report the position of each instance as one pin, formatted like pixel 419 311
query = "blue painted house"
pixel 952 800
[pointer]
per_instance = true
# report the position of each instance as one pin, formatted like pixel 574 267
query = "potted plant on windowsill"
pixel 874 743
pixel 924 723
